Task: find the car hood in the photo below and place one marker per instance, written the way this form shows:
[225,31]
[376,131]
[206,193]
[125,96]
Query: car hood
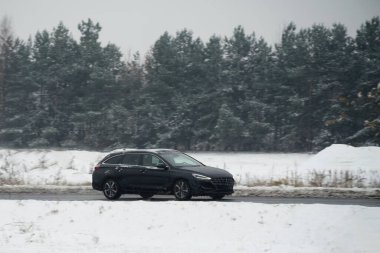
[207,171]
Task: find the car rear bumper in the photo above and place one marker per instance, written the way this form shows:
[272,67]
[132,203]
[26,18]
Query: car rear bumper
[96,186]
[97,181]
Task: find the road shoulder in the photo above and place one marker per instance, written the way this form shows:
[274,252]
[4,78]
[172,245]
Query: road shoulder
[240,191]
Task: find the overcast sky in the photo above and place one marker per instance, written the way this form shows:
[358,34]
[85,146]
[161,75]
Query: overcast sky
[136,25]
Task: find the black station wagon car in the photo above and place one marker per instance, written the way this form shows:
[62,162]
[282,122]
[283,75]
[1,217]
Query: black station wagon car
[164,171]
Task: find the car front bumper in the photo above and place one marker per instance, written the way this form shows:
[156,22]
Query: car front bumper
[212,187]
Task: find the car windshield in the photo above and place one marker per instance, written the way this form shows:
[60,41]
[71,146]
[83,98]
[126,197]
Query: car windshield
[179,159]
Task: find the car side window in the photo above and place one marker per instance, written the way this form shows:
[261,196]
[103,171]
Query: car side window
[131,159]
[151,160]
[114,160]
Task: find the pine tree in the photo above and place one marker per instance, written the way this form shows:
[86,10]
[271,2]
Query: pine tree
[228,129]
[335,123]
[19,90]
[367,102]
[6,41]
[209,100]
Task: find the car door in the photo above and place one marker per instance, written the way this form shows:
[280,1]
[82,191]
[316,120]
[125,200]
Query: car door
[131,170]
[154,178]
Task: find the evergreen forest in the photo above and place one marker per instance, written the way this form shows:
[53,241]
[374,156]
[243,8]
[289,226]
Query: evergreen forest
[317,86]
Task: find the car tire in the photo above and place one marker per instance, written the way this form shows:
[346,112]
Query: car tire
[217,196]
[111,189]
[146,195]
[182,190]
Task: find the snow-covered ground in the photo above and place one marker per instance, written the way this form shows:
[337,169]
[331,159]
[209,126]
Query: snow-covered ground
[196,226]
[254,168]
[335,166]
[47,167]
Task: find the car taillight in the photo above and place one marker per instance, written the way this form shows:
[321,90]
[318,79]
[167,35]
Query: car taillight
[97,167]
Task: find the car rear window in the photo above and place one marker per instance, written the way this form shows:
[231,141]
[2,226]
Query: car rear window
[114,160]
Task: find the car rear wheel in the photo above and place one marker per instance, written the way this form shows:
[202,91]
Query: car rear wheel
[111,189]
[181,190]
[146,195]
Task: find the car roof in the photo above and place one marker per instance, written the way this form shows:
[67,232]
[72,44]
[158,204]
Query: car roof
[131,150]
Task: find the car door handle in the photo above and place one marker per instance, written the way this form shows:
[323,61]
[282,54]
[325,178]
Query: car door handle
[142,170]
[119,168]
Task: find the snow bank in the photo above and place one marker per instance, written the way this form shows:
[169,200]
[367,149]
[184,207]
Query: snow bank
[340,157]
[47,167]
[344,166]
[196,226]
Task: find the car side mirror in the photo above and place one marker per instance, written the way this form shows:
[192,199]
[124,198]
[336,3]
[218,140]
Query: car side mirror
[162,166]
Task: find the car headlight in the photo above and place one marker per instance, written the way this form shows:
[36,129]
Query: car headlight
[201,177]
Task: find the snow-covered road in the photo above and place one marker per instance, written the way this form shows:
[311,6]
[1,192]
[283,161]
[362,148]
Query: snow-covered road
[195,226]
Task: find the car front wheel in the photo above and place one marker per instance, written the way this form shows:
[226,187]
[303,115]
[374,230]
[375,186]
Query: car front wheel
[111,190]
[181,190]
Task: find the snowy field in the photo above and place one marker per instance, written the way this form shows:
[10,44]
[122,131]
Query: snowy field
[47,167]
[195,226]
[336,166]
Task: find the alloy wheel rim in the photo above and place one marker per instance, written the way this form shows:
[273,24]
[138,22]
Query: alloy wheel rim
[110,189]
[181,189]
